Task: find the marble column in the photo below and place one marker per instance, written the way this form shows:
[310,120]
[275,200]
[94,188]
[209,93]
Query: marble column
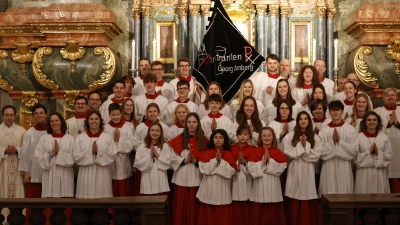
[329,39]
[261,9]
[194,32]
[205,13]
[284,37]
[321,35]
[136,36]
[146,48]
[274,29]
[182,32]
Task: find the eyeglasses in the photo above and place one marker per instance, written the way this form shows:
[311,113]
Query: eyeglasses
[80,103]
[94,99]
[157,69]
[183,89]
[184,66]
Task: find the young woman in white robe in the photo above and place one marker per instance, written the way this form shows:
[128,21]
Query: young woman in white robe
[283,123]
[94,151]
[374,155]
[360,108]
[180,113]
[350,90]
[204,109]
[318,92]
[246,89]
[307,78]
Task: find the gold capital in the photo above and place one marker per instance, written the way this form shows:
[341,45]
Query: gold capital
[205,10]
[261,9]
[285,10]
[146,12]
[182,11]
[274,10]
[194,10]
[393,52]
[321,11]
[136,13]
[331,13]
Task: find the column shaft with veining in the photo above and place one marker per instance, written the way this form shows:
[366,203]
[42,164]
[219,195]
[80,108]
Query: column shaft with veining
[261,9]
[146,48]
[274,29]
[183,31]
[321,35]
[284,46]
[136,36]
[329,36]
[194,32]
[205,13]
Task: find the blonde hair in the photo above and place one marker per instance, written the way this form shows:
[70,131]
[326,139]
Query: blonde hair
[353,116]
[240,95]
[174,118]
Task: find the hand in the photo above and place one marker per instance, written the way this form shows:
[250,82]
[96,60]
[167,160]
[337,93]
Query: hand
[241,159]
[11,150]
[213,124]
[94,147]
[251,128]
[188,158]
[316,130]
[193,159]
[285,129]
[27,177]
[373,149]
[305,100]
[117,135]
[336,137]
[159,92]
[266,157]
[393,118]
[303,140]
[269,90]
[56,148]
[218,156]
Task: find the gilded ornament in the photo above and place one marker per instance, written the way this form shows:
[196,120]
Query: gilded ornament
[165,12]
[194,10]
[357,29]
[29,98]
[393,52]
[274,10]
[3,54]
[361,67]
[331,12]
[261,9]
[205,10]
[238,13]
[22,55]
[146,11]
[301,1]
[136,13]
[108,66]
[26,118]
[302,11]
[321,11]
[69,96]
[182,11]
[4,85]
[72,52]
[285,10]
[37,64]
[68,113]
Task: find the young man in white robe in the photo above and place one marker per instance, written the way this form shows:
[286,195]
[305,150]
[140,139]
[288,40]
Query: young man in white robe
[328,84]
[11,180]
[118,89]
[340,148]
[162,88]
[144,69]
[75,124]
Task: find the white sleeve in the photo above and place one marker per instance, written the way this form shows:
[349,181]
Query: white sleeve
[225,170]
[42,156]
[24,164]
[106,153]
[164,160]
[208,168]
[143,161]
[82,157]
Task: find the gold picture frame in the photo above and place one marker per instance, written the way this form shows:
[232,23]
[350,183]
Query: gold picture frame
[302,49]
[165,37]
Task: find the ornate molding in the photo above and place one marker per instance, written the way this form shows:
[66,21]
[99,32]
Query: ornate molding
[357,29]
[205,10]
[68,113]
[3,54]
[72,52]
[285,11]
[146,12]
[274,10]
[361,67]
[29,98]
[69,96]
[165,12]
[194,10]
[331,12]
[301,1]
[393,52]
[108,66]
[37,64]
[238,14]
[182,11]
[4,85]
[136,13]
[302,11]
[22,55]
[26,118]
[321,11]
[261,9]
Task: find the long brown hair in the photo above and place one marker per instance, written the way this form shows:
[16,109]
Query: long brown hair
[132,116]
[201,140]
[300,77]
[289,96]
[208,96]
[309,130]
[354,114]
[274,140]
[161,140]
[241,118]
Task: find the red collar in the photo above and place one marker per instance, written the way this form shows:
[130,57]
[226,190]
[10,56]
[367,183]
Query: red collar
[370,135]
[248,117]
[179,125]
[189,78]
[394,107]
[96,135]
[141,76]
[347,102]
[216,116]
[284,121]
[117,125]
[179,101]
[152,96]
[155,144]
[273,76]
[359,117]
[307,86]
[148,122]
[331,124]
[322,79]
[127,95]
[303,132]
[319,121]
[40,127]
[160,83]
[114,100]
[83,115]
[60,135]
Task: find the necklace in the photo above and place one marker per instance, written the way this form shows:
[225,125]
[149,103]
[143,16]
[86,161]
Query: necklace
[79,127]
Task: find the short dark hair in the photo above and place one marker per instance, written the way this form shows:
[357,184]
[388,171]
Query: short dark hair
[215,98]
[242,128]
[62,120]
[336,104]
[315,103]
[8,107]
[119,82]
[144,59]
[150,78]
[272,56]
[156,63]
[184,59]
[128,78]
[39,106]
[114,106]
[80,97]
[94,92]
[226,145]
[182,82]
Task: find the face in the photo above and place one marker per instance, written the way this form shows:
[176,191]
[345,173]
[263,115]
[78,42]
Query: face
[318,93]
[267,137]
[181,114]
[284,66]
[158,70]
[94,102]
[243,137]
[184,68]
[118,90]
[128,86]
[218,140]
[152,114]
[128,108]
[150,86]
[390,98]
[94,121]
[144,67]
[9,117]
[353,77]
[284,110]
[213,89]
[341,82]
[283,89]
[192,124]
[115,116]
[320,66]
[361,104]
[318,113]
[214,106]
[308,75]
[40,116]
[272,65]
[371,122]
[349,90]
[247,89]
[249,107]
[55,123]
[183,91]
[80,106]
[303,121]
[336,114]
[155,132]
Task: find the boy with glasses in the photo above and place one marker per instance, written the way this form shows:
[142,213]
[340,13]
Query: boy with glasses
[162,88]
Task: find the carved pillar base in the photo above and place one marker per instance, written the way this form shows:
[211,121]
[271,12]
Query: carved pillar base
[79,217]
[100,217]
[37,217]
[58,217]
[16,217]
[121,217]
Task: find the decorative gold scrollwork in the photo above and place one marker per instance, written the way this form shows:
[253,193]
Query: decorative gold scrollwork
[72,52]
[4,85]
[393,52]
[22,55]
[3,54]
[29,98]
[38,64]
[108,66]
[26,118]
[68,113]
[69,96]
[361,67]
